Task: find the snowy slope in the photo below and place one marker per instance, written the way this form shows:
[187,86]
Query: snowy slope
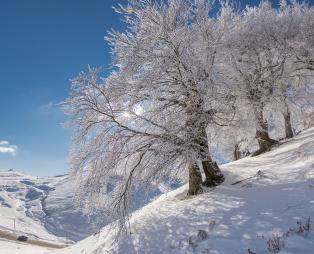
[21,198]
[277,193]
[45,208]
[64,217]
[11,247]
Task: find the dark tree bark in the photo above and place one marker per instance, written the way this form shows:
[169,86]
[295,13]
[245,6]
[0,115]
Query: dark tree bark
[264,141]
[288,126]
[237,152]
[195,180]
[213,174]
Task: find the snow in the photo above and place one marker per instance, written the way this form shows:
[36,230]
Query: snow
[65,217]
[262,196]
[20,198]
[277,193]
[43,208]
[10,247]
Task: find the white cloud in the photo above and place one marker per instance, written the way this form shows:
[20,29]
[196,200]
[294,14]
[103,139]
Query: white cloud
[46,107]
[5,147]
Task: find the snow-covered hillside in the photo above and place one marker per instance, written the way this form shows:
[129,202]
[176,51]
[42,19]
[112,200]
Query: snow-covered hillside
[22,198]
[261,197]
[44,207]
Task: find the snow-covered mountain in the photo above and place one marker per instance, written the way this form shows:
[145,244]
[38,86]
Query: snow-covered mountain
[45,208]
[42,207]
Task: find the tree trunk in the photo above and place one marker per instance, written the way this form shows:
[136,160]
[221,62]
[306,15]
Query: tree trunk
[288,126]
[213,174]
[198,136]
[264,141]
[195,180]
[237,152]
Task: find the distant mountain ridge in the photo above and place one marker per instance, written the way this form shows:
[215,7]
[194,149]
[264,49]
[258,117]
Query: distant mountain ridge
[45,207]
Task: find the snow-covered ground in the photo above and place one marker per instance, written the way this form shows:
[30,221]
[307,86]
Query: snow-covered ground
[22,200]
[44,208]
[10,247]
[239,215]
[261,197]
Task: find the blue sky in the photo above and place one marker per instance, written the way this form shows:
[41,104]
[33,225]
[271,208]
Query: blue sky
[43,44]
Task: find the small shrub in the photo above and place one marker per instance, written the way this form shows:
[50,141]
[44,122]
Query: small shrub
[303,229]
[199,237]
[275,243]
[250,252]
[191,242]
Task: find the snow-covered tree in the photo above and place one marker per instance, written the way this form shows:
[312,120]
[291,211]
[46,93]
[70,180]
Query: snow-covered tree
[294,33]
[181,76]
[148,120]
[262,64]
